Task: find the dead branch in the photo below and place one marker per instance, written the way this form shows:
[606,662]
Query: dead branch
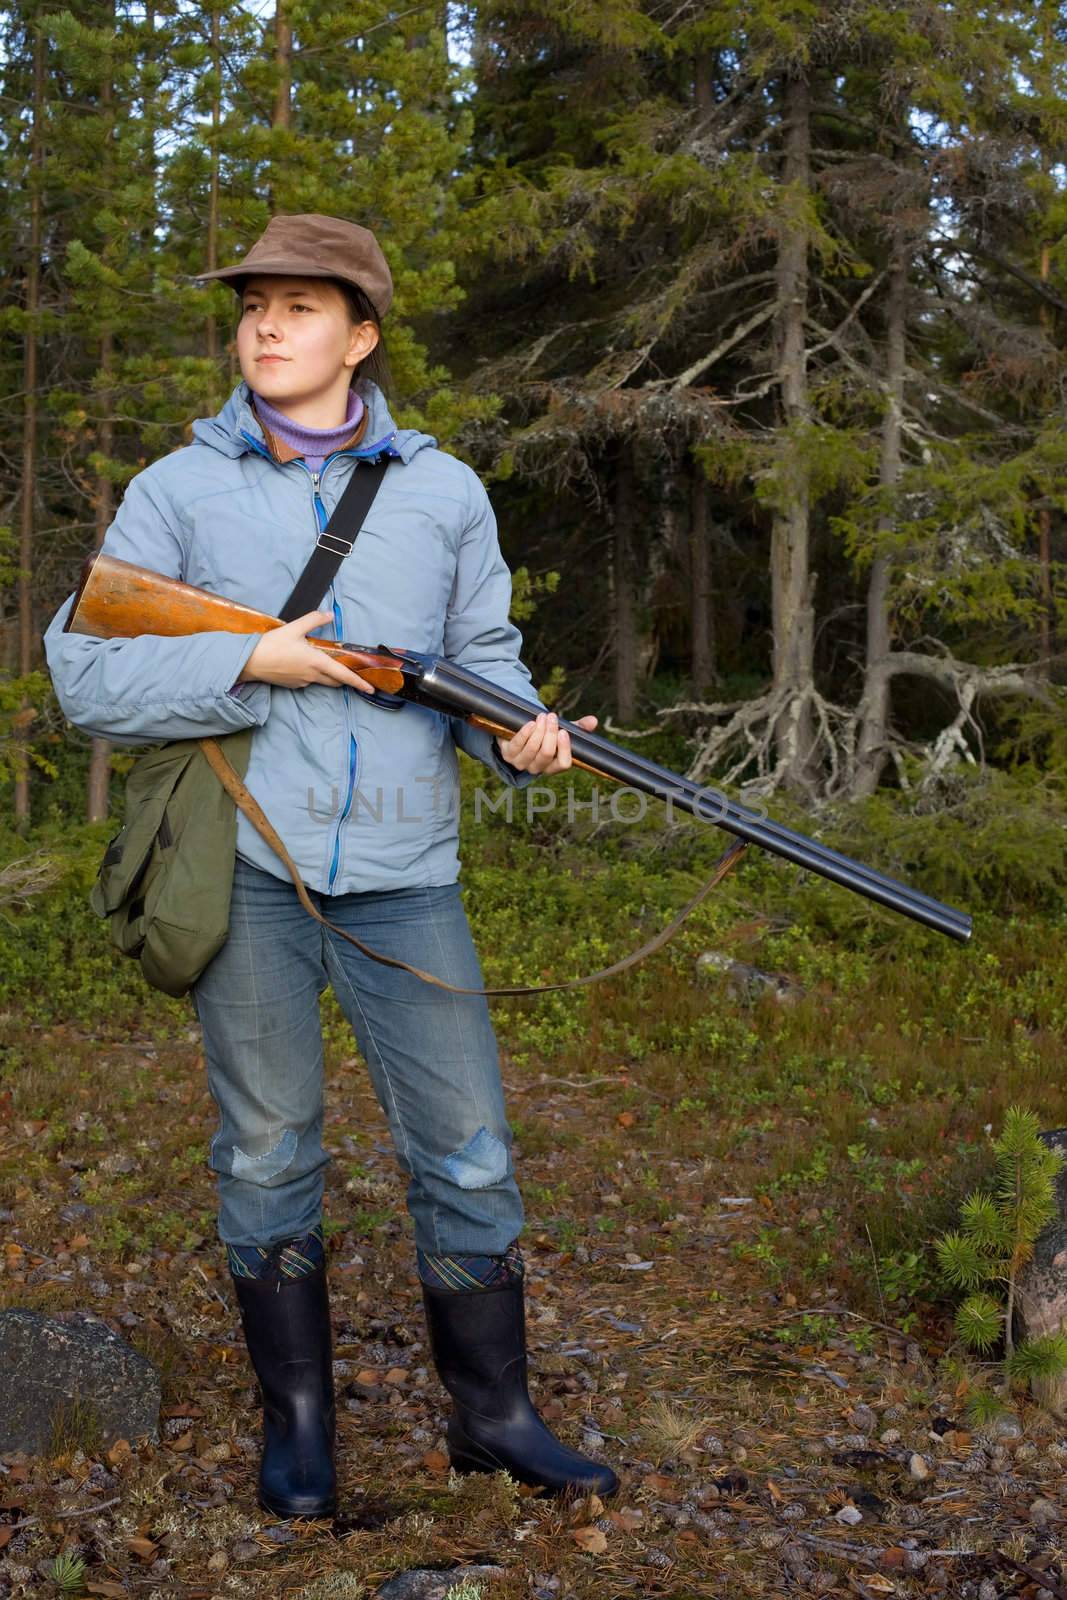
[27,876]
[741,331]
[741,743]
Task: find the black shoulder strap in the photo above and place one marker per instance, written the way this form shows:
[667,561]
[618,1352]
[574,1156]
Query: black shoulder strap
[336,539]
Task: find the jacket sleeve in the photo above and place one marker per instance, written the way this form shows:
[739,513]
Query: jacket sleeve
[478,634]
[141,691]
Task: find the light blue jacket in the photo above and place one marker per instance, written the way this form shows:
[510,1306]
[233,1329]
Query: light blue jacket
[364,799]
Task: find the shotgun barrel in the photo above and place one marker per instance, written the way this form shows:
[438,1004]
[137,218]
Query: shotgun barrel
[483,701]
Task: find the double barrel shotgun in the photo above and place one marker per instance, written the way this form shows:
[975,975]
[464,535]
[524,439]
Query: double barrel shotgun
[120,600]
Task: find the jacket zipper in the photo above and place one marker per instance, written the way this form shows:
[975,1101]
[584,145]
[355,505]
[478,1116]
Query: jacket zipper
[338,629]
[338,624]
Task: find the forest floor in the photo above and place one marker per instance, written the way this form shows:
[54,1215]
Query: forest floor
[768,1445]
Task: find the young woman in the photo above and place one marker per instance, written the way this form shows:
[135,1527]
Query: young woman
[366,802]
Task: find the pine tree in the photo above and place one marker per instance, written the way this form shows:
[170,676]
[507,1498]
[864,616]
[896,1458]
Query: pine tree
[985,1256]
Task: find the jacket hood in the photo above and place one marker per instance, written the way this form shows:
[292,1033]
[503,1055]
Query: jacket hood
[225,431]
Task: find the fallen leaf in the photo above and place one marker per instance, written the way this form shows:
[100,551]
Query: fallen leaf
[146,1549]
[626,1119]
[119,1451]
[665,1488]
[879,1585]
[6,1533]
[627,1521]
[591,1539]
[183,1442]
[396,1375]
[436,1460]
[369,1375]
[103,1586]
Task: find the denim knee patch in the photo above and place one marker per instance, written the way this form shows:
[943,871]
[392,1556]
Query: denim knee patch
[481,1162]
[268,1164]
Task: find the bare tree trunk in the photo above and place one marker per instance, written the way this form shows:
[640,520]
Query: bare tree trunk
[283,60]
[98,786]
[1044,520]
[701,628]
[623,586]
[1050,12]
[98,782]
[213,190]
[791,580]
[872,750]
[29,428]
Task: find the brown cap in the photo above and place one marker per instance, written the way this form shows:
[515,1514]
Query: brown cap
[313,246]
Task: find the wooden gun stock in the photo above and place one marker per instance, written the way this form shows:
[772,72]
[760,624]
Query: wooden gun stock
[119,600]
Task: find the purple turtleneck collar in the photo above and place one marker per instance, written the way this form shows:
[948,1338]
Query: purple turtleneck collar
[314,444]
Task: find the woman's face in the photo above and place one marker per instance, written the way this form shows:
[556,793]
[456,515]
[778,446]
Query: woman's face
[295,341]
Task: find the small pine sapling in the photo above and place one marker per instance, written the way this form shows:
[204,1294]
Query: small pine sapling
[985,1256]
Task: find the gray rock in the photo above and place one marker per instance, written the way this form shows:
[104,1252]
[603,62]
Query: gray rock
[420,1583]
[1043,1511]
[863,1419]
[1007,1426]
[50,1362]
[119,1163]
[749,982]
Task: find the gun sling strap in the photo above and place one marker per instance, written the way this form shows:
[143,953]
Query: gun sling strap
[334,543]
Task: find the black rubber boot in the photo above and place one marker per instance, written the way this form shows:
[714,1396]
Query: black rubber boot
[478,1339]
[286,1325]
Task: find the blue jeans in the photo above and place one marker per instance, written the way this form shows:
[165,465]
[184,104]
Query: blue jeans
[432,1057]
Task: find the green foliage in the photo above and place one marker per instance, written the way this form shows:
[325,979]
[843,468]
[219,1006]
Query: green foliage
[996,1239]
[68,1573]
[527,592]
[1041,1358]
[999,840]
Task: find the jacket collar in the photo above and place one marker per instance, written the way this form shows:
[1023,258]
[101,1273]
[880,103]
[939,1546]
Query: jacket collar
[285,452]
[230,431]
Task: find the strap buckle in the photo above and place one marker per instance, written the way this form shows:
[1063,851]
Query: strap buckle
[335,543]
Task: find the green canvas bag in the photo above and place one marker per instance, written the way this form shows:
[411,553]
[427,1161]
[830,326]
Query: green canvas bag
[166,877]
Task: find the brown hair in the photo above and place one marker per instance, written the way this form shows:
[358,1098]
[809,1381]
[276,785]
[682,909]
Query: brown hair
[360,309]
[376,365]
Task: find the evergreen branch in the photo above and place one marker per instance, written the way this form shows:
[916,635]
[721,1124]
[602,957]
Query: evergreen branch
[698,368]
[1012,268]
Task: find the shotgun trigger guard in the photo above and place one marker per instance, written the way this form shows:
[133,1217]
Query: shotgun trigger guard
[380,698]
[387,702]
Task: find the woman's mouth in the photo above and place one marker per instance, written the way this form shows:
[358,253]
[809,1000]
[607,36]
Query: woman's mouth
[271,358]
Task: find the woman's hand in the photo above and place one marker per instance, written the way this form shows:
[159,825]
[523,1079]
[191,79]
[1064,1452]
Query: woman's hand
[285,657]
[541,745]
